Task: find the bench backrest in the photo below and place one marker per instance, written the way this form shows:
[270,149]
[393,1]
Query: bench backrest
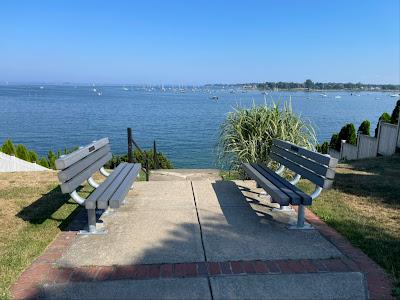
[316,167]
[81,164]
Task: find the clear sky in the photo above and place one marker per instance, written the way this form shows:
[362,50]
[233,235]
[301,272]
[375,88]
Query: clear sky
[196,42]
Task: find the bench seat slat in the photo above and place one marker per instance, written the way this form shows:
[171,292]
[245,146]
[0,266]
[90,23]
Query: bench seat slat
[119,195]
[103,200]
[79,166]
[315,178]
[319,169]
[267,185]
[294,197]
[90,202]
[71,185]
[305,199]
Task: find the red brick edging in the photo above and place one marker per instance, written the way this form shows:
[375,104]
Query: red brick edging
[44,270]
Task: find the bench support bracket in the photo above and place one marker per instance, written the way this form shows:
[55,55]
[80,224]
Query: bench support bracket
[92,182]
[78,199]
[92,230]
[104,172]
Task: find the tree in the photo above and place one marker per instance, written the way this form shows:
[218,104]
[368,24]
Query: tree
[33,157]
[348,133]
[44,162]
[8,147]
[365,127]
[385,117]
[323,148]
[394,119]
[335,142]
[308,84]
[21,152]
[52,158]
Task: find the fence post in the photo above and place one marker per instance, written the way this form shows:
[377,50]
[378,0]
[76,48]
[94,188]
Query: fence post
[130,158]
[155,157]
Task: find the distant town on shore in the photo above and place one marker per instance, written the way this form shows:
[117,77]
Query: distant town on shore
[309,85]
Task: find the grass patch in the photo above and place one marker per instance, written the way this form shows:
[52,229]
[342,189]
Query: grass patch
[364,206]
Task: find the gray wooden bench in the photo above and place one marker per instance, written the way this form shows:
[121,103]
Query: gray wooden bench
[80,165]
[317,168]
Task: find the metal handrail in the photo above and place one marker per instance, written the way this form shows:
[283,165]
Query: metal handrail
[131,141]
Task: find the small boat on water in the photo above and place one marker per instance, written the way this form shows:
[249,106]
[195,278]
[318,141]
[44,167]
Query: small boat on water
[395,95]
[338,97]
[323,95]
[99,93]
[214,97]
[94,90]
[42,87]
[125,89]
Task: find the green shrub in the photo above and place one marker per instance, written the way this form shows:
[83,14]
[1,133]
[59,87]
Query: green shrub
[8,147]
[394,118]
[51,158]
[323,148]
[33,157]
[385,117]
[365,127]
[44,162]
[348,133]
[246,134]
[335,142]
[22,153]
[163,161]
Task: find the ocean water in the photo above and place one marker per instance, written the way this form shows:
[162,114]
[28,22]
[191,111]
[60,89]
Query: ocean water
[185,124]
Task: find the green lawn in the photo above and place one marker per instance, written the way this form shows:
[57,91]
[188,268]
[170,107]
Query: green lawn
[32,213]
[364,206]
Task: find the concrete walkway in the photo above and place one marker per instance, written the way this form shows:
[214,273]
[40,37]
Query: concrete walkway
[200,239]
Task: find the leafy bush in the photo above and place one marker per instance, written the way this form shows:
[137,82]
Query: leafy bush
[365,127]
[323,148]
[246,134]
[22,153]
[163,161]
[8,147]
[385,117]
[394,118]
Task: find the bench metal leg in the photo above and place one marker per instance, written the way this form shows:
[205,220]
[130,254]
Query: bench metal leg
[300,220]
[92,224]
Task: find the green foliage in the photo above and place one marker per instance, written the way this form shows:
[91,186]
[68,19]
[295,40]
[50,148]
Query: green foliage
[22,153]
[44,162]
[308,84]
[163,161]
[323,148]
[33,157]
[385,117]
[348,133]
[8,147]
[335,142]
[52,158]
[365,127]
[246,134]
[394,118]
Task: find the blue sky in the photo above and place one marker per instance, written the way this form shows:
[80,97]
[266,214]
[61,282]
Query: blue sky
[196,42]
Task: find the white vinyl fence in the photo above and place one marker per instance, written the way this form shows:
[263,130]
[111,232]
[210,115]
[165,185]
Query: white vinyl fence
[387,138]
[367,146]
[387,143]
[10,163]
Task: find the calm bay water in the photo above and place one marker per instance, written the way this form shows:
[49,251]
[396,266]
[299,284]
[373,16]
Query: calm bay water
[184,124]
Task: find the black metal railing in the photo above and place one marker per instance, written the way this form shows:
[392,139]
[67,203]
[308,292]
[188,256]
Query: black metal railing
[146,168]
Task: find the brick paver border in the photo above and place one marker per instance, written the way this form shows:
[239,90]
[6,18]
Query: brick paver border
[44,269]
